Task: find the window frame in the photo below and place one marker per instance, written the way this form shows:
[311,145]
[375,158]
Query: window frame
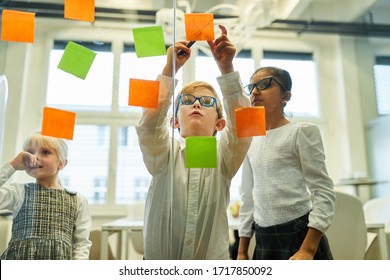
[298,56]
[116,118]
[381,60]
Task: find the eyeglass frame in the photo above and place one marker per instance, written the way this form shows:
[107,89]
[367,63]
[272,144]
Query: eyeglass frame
[179,101]
[269,84]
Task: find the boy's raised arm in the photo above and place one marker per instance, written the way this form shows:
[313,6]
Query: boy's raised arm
[179,59]
[223,52]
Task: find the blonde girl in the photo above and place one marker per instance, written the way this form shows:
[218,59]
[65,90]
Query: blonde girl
[49,221]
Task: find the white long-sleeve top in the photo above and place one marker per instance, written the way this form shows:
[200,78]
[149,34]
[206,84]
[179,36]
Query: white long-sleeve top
[12,198]
[191,222]
[284,177]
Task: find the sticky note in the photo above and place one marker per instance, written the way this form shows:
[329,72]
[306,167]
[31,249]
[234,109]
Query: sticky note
[250,121]
[77,60]
[144,93]
[58,123]
[17,26]
[83,10]
[201,152]
[199,27]
[149,41]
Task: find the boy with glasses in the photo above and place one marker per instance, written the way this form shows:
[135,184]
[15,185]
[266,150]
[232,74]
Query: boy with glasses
[185,210]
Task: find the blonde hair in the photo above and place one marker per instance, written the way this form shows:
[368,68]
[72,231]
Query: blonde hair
[59,145]
[192,86]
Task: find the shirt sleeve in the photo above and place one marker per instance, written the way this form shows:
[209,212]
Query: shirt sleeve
[312,156]
[6,172]
[231,148]
[247,203]
[11,195]
[152,129]
[81,242]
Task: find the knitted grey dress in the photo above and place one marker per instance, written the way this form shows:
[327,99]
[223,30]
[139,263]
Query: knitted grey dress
[43,228]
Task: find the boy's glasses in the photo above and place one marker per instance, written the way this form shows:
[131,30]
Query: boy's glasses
[261,85]
[189,99]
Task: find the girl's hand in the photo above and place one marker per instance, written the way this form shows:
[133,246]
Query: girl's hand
[180,60]
[24,161]
[223,52]
[302,255]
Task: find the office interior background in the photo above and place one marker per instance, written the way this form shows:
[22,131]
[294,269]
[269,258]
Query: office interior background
[338,53]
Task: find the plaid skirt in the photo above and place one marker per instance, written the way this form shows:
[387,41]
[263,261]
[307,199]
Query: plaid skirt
[281,241]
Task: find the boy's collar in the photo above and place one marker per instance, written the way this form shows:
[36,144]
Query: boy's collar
[182,142]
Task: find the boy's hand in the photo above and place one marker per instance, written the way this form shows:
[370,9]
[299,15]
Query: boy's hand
[179,60]
[24,161]
[223,51]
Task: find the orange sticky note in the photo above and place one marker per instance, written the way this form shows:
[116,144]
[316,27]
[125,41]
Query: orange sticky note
[80,10]
[18,26]
[250,121]
[199,27]
[58,123]
[144,93]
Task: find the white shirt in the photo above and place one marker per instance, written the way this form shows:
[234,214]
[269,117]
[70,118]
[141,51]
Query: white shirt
[190,220]
[12,198]
[284,177]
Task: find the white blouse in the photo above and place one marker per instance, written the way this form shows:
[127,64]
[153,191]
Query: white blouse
[284,177]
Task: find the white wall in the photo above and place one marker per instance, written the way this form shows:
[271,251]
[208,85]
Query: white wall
[3,108]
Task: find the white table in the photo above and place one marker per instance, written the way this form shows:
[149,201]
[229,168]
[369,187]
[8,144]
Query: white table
[125,226]
[357,182]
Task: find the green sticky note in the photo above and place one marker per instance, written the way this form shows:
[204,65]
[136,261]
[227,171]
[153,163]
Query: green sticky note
[149,41]
[201,152]
[76,60]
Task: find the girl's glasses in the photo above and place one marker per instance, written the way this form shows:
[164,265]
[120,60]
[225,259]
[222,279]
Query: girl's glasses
[189,99]
[261,85]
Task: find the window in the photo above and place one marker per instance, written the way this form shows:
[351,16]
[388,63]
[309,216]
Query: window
[88,158]
[382,84]
[243,63]
[94,93]
[147,68]
[304,93]
[106,173]
[132,177]
[105,162]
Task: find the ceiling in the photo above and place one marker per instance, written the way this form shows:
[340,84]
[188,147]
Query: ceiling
[354,17]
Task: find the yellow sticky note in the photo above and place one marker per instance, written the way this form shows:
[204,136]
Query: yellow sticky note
[80,10]
[250,121]
[17,26]
[144,93]
[58,123]
[199,27]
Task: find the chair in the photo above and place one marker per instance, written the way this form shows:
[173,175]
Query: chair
[95,236]
[349,238]
[377,210]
